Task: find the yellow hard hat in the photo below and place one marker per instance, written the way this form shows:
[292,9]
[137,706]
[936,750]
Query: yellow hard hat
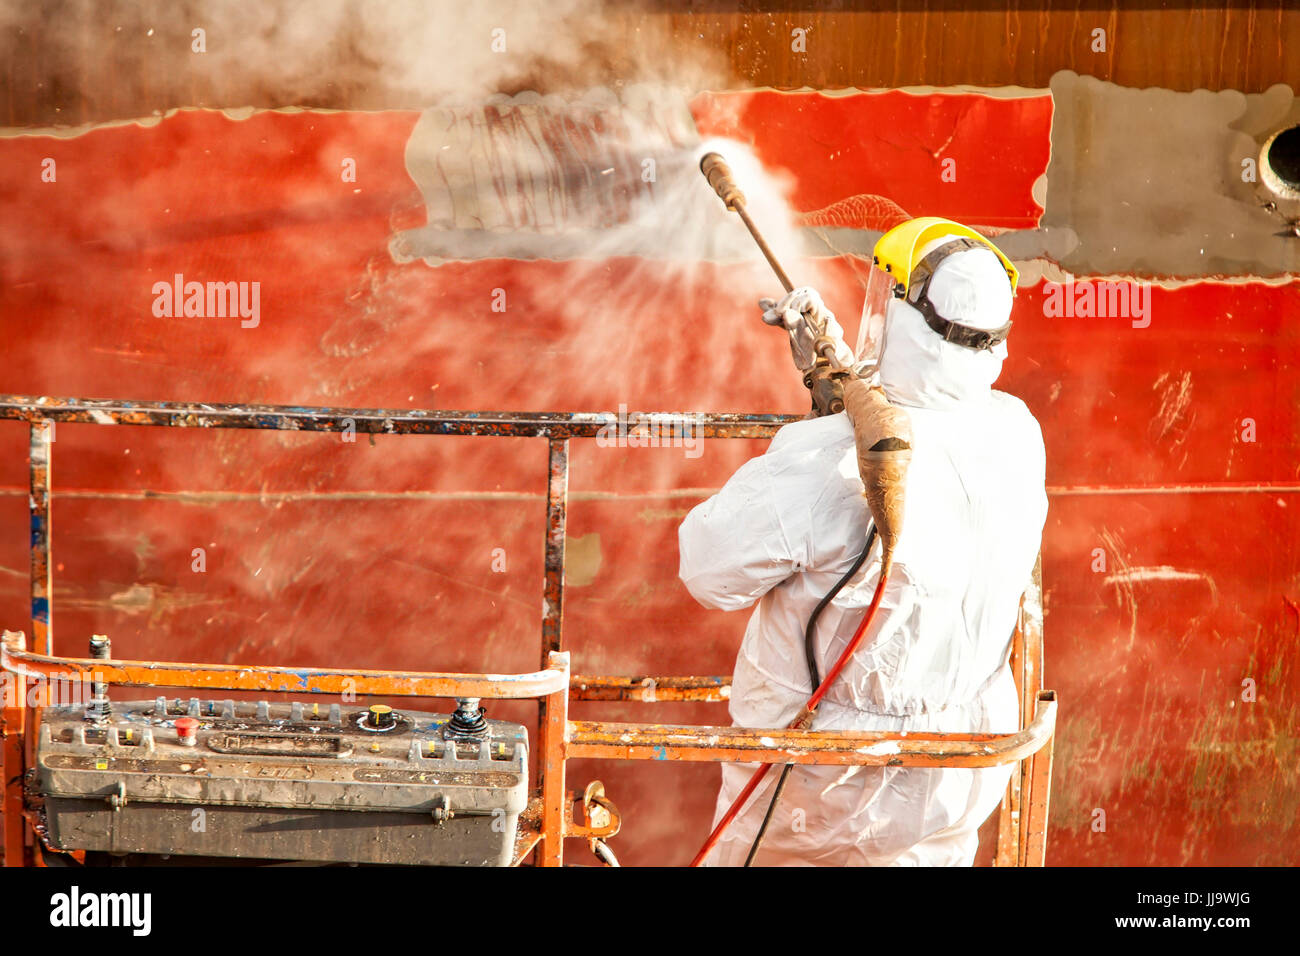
[902,272]
[898,251]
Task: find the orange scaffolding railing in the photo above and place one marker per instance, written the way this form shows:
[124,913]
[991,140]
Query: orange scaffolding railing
[552,814]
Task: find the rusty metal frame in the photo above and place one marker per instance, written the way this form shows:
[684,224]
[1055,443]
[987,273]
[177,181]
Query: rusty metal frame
[550,816]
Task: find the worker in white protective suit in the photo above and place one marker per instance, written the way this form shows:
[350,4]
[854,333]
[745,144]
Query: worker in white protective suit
[789,524]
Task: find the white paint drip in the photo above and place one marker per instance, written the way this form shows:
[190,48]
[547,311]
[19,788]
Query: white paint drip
[885,748]
[842,779]
[1161,573]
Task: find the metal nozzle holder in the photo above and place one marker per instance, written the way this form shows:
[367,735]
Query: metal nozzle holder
[466,722]
[101,649]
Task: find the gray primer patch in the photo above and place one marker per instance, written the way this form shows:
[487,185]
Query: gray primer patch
[1150,182]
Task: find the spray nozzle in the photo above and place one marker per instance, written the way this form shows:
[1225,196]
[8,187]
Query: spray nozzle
[718,173]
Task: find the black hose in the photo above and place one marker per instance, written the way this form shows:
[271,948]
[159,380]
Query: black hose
[767,818]
[814,675]
[810,632]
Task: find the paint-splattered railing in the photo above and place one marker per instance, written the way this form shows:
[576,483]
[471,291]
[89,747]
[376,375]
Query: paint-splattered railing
[42,414]
[549,817]
[16,659]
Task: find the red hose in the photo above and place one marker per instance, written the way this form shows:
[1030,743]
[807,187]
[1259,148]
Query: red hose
[805,714]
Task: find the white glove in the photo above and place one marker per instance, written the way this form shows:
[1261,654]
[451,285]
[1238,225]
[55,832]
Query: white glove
[804,300]
[803,314]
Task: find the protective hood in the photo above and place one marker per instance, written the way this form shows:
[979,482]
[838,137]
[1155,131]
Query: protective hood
[920,369]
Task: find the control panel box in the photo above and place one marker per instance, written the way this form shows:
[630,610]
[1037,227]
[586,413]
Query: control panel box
[331,783]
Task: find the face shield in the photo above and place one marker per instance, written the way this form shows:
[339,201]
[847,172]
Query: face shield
[871,330]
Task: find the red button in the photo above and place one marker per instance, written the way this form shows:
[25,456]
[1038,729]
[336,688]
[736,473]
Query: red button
[187,727]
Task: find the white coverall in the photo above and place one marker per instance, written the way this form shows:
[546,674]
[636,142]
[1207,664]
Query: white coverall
[790,523]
